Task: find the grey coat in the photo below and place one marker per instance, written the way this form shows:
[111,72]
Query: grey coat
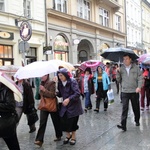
[130,82]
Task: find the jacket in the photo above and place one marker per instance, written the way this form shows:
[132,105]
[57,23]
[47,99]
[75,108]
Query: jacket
[105,81]
[71,91]
[90,84]
[28,97]
[130,82]
[7,102]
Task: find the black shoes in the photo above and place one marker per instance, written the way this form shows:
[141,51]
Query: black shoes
[137,124]
[66,141]
[121,127]
[97,110]
[105,109]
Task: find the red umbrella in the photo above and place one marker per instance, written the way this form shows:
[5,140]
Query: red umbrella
[93,64]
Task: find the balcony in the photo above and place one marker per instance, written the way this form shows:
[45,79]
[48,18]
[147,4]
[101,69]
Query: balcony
[112,3]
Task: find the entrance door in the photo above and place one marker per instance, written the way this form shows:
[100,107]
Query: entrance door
[83,56]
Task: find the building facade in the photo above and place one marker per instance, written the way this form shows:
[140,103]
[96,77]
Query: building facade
[146,25]
[79,30]
[134,26]
[12,14]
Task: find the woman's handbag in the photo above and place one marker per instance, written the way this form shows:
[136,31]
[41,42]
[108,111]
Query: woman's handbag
[48,104]
[32,116]
[8,125]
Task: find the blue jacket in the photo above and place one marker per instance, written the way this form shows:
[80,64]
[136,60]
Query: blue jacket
[71,91]
[105,80]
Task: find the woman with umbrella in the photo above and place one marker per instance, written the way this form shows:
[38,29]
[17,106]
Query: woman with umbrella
[87,87]
[102,84]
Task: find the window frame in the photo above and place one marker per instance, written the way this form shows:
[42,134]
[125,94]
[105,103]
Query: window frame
[84,9]
[104,17]
[2,3]
[118,22]
[26,10]
[62,3]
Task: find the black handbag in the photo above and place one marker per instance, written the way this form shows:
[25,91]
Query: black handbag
[32,116]
[8,125]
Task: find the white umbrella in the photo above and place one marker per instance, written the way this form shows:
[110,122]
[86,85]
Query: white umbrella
[64,64]
[9,69]
[12,85]
[36,69]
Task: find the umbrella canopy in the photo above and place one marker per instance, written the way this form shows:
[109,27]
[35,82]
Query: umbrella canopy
[36,69]
[93,64]
[41,68]
[9,69]
[12,85]
[146,61]
[61,63]
[116,54]
[143,57]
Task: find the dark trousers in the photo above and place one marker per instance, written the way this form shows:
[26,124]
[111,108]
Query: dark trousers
[12,142]
[43,122]
[101,94]
[98,100]
[134,97]
[145,90]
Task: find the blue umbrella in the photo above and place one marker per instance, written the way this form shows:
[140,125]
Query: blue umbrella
[116,54]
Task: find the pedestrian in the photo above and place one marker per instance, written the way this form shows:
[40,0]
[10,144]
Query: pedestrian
[108,70]
[48,89]
[130,77]
[145,90]
[71,106]
[7,113]
[27,105]
[114,72]
[102,84]
[87,87]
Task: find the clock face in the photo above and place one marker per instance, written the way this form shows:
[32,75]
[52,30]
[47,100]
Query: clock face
[5,35]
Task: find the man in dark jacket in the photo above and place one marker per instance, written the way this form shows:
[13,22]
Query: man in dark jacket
[7,109]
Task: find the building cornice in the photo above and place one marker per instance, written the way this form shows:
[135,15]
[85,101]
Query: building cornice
[146,2]
[77,20]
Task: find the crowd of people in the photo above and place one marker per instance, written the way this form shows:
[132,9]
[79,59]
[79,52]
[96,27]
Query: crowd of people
[132,83]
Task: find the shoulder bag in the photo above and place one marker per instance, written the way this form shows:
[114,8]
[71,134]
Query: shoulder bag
[48,104]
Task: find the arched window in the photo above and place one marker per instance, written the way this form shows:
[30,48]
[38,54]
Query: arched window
[61,48]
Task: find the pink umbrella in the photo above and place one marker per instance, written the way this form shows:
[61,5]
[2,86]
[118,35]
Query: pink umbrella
[143,57]
[146,61]
[12,85]
[93,64]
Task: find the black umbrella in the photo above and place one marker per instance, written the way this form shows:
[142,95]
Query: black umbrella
[116,54]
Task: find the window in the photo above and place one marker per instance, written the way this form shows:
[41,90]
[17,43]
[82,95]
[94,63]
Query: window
[118,23]
[27,8]
[1,5]
[60,5]
[83,9]
[104,17]
[6,51]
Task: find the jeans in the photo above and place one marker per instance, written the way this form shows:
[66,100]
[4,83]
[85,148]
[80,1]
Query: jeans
[88,100]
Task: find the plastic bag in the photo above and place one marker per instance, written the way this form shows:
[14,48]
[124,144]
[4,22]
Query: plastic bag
[110,95]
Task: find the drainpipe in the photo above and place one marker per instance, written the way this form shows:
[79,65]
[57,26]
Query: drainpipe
[46,28]
[125,22]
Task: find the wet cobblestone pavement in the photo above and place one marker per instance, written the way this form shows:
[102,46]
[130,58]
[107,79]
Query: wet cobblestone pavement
[97,131]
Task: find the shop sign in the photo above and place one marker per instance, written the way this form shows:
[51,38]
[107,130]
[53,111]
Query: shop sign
[6,35]
[25,31]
